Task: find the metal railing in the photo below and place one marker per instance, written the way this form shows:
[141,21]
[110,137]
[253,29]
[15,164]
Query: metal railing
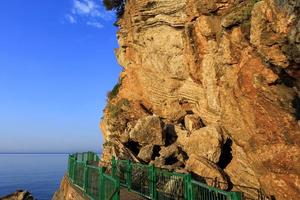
[201,191]
[248,192]
[146,180]
[86,156]
[159,184]
[140,176]
[90,179]
[170,185]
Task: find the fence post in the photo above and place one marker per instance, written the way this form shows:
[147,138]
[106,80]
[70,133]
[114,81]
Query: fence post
[96,158]
[84,156]
[101,184]
[69,166]
[114,167]
[85,177]
[188,193]
[236,196]
[74,170]
[117,195]
[90,156]
[152,181]
[129,175]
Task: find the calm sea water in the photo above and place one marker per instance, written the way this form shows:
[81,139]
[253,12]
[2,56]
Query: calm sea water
[38,173]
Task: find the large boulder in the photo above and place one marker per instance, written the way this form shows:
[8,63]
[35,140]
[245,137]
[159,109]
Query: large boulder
[206,142]
[170,157]
[148,130]
[18,195]
[168,151]
[193,122]
[146,153]
[205,168]
[240,172]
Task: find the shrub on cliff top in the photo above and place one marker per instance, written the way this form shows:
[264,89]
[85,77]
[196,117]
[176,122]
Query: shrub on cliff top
[114,92]
[116,5]
[117,108]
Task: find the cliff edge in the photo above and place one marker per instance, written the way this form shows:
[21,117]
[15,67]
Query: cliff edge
[211,87]
[67,191]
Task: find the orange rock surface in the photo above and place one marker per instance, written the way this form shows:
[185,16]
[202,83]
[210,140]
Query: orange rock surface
[223,79]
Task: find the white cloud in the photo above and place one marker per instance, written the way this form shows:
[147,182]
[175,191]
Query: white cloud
[85,7]
[107,15]
[90,12]
[71,19]
[94,24]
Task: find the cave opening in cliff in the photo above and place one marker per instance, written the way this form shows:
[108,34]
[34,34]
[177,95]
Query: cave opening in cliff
[296,105]
[181,121]
[156,150]
[284,77]
[171,135]
[183,153]
[172,159]
[133,146]
[201,123]
[226,154]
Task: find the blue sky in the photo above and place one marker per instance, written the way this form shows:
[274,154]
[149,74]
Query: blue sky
[57,64]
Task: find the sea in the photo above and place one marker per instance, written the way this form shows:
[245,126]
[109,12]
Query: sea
[40,174]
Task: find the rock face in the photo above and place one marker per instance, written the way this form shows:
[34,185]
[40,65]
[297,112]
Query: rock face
[212,87]
[147,130]
[68,192]
[18,195]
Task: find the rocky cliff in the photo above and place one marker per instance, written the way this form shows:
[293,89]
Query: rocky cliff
[211,87]
[67,191]
[18,195]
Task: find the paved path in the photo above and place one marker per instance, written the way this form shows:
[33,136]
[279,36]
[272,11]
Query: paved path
[125,195]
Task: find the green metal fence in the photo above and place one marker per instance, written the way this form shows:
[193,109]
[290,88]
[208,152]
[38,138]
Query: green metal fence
[79,174]
[140,176]
[159,184]
[170,185]
[110,185]
[201,191]
[93,176]
[146,180]
[90,179]
[86,156]
[121,169]
[71,166]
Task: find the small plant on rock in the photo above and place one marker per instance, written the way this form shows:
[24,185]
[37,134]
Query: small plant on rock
[114,92]
[117,108]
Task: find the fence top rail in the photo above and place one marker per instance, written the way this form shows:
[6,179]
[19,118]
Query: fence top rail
[159,170]
[140,164]
[85,156]
[122,161]
[93,167]
[210,188]
[170,173]
[80,162]
[72,157]
[109,178]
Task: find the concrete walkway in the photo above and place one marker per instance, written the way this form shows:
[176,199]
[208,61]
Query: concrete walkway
[125,195]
